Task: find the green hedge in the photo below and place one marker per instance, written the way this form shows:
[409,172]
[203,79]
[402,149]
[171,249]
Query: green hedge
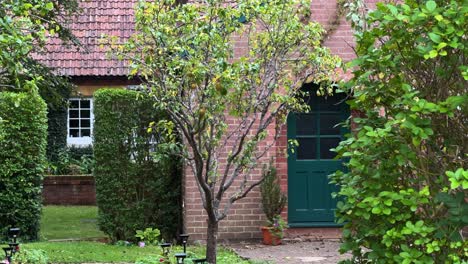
[23,143]
[133,189]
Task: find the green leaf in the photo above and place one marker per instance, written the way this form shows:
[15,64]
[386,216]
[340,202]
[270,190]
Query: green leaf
[441,45]
[431,6]
[433,54]
[434,37]
[49,6]
[439,17]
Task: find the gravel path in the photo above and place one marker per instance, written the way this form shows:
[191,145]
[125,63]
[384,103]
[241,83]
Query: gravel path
[325,252]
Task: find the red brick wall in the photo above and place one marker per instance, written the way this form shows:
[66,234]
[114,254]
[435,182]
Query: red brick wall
[246,217]
[69,190]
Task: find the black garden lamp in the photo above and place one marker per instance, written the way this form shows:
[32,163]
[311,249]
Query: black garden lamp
[14,246]
[184,238]
[13,233]
[166,247]
[8,253]
[180,257]
[200,261]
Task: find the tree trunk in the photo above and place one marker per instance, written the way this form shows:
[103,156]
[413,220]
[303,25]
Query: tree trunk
[211,241]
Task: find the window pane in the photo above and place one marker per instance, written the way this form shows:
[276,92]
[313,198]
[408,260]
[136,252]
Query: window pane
[85,113]
[328,124]
[74,104]
[85,123]
[74,123]
[307,148]
[332,103]
[325,145]
[306,124]
[74,132]
[85,132]
[85,103]
[74,114]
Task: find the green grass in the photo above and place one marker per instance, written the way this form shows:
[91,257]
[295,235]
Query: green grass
[87,251]
[69,222]
[79,222]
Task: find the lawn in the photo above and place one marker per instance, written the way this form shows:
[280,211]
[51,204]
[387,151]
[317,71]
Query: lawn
[69,222]
[79,222]
[87,251]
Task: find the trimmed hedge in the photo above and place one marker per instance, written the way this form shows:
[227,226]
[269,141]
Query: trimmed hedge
[22,162]
[133,189]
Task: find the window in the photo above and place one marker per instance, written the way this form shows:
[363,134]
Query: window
[318,131]
[80,121]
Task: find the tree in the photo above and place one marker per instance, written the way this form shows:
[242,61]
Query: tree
[187,56]
[25,27]
[404,195]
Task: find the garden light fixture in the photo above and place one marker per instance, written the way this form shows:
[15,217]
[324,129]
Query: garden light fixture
[180,257]
[8,253]
[13,233]
[184,238]
[166,247]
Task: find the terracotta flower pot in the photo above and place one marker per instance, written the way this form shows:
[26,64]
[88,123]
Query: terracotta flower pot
[269,238]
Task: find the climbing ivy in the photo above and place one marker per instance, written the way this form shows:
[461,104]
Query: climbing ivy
[406,188]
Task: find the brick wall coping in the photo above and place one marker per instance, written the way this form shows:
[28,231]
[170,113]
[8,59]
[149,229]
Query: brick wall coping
[69,179]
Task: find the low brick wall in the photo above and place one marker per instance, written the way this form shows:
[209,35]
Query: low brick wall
[69,190]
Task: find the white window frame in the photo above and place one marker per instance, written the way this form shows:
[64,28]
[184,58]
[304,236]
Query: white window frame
[80,141]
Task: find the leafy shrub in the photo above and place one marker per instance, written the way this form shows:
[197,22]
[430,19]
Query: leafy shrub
[405,192]
[273,200]
[22,162]
[137,183]
[72,161]
[149,235]
[30,256]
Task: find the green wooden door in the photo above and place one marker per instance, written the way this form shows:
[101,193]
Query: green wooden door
[309,191]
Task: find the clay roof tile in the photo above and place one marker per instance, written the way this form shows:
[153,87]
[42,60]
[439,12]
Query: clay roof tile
[98,17]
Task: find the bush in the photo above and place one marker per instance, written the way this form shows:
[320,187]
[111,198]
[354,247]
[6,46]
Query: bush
[30,256]
[149,235]
[273,200]
[137,184]
[72,161]
[22,162]
[405,193]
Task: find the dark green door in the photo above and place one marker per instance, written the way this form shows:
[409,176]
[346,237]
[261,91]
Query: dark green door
[309,191]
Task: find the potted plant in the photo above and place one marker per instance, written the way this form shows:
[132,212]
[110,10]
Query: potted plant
[273,202]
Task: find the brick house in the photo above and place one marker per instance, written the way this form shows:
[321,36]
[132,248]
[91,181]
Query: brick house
[310,209]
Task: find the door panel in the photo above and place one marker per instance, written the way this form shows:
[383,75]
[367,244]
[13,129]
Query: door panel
[311,162]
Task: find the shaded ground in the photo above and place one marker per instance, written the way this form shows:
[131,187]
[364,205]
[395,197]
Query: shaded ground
[325,252]
[69,223]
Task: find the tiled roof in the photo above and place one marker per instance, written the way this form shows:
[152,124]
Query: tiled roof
[98,17]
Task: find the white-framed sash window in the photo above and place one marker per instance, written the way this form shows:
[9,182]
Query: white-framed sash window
[80,122]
